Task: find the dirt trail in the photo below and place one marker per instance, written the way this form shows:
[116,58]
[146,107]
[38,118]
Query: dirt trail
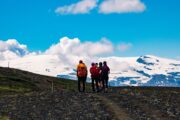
[119,113]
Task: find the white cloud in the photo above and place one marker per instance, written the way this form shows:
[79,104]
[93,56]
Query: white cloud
[75,47]
[11,49]
[82,7]
[124,46]
[121,6]
[105,7]
[70,51]
[67,49]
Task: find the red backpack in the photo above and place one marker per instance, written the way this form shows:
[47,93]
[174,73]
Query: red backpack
[94,71]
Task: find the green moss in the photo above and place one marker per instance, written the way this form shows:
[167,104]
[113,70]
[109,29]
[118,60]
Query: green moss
[4,117]
[15,89]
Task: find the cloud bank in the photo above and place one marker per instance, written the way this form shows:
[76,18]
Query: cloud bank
[12,49]
[104,7]
[67,51]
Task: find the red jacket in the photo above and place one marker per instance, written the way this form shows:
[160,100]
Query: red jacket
[95,72]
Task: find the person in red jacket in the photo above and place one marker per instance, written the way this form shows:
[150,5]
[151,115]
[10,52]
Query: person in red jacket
[94,70]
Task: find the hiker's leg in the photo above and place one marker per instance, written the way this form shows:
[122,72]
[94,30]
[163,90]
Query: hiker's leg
[93,84]
[100,82]
[97,85]
[82,84]
[79,84]
[103,82]
[84,81]
[107,82]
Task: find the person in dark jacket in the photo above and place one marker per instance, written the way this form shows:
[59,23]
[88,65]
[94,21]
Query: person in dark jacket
[105,74]
[94,76]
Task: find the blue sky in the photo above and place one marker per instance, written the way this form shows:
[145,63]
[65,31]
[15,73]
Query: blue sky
[155,31]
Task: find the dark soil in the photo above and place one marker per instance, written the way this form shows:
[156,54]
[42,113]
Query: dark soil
[57,106]
[124,102]
[147,103]
[27,96]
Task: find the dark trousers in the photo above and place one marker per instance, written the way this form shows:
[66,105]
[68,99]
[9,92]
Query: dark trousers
[105,81]
[97,86]
[81,80]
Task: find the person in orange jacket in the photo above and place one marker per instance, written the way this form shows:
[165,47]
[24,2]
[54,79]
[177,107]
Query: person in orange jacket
[81,75]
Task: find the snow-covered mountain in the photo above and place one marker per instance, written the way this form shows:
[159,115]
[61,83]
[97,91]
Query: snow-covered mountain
[144,70]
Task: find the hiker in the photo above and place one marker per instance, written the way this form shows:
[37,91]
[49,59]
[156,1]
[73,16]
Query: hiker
[96,64]
[98,74]
[94,76]
[101,81]
[82,75]
[105,75]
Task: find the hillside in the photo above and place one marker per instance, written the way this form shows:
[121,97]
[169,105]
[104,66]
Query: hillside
[17,81]
[25,95]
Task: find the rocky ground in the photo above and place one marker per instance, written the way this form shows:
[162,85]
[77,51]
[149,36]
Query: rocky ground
[56,106]
[28,96]
[118,103]
[147,103]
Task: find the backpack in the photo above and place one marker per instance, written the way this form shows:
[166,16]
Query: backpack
[82,70]
[105,70]
[94,72]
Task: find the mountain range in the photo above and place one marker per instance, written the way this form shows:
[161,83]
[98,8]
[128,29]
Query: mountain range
[147,70]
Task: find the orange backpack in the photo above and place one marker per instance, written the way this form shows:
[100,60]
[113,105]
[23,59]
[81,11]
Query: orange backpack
[82,70]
